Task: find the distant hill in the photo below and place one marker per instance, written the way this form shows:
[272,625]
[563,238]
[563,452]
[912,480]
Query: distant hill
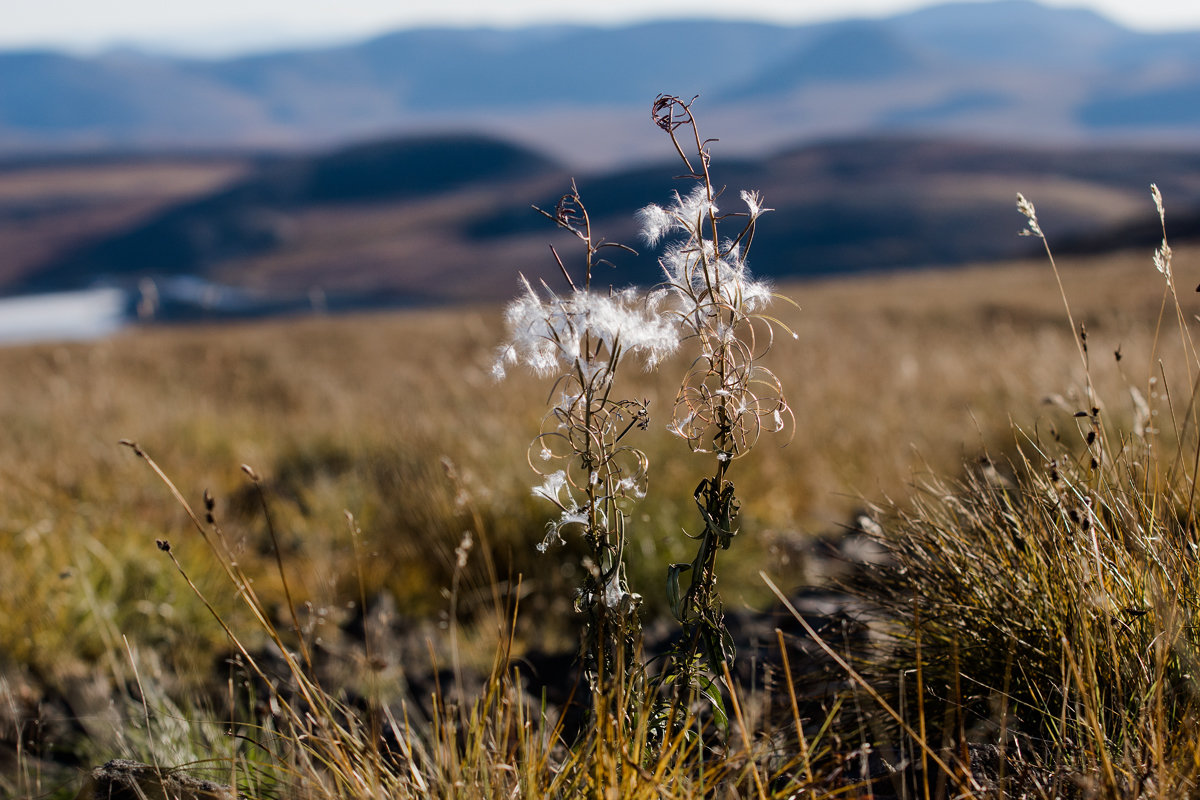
[432,219]
[256,214]
[1010,70]
[1021,34]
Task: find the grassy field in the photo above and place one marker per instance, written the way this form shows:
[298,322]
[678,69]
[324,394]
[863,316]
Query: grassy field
[898,382]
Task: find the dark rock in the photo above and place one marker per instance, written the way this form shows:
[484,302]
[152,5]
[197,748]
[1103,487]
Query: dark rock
[130,780]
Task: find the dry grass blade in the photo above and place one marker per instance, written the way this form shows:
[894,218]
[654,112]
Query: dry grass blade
[863,683]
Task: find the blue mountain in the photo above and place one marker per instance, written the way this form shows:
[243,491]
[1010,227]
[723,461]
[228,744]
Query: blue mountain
[1008,67]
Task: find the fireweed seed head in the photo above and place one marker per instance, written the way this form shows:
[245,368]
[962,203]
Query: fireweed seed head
[552,488]
[655,223]
[583,330]
[652,332]
[684,215]
[554,528]
[506,355]
[753,200]
[533,336]
[692,210]
[613,592]
[705,287]
[628,487]
[756,295]
[631,323]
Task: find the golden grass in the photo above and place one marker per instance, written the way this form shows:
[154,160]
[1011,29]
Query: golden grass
[892,377]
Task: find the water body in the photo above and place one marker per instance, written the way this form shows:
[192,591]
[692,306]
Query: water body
[98,312]
[61,316]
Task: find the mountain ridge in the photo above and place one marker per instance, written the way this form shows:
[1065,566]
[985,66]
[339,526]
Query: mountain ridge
[1007,69]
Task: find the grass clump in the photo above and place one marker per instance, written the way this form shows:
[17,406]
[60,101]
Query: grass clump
[1047,606]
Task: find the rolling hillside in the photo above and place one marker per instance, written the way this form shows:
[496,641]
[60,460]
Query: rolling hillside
[431,219]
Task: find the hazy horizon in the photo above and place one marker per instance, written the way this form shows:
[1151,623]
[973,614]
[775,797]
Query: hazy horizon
[224,28]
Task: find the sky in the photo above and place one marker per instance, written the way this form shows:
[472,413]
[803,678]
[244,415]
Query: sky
[221,27]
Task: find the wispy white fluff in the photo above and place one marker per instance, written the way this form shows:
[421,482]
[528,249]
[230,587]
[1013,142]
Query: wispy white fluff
[553,334]
[554,529]
[753,201]
[694,208]
[655,223]
[613,593]
[699,275]
[552,489]
[631,488]
[701,280]
[683,215]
